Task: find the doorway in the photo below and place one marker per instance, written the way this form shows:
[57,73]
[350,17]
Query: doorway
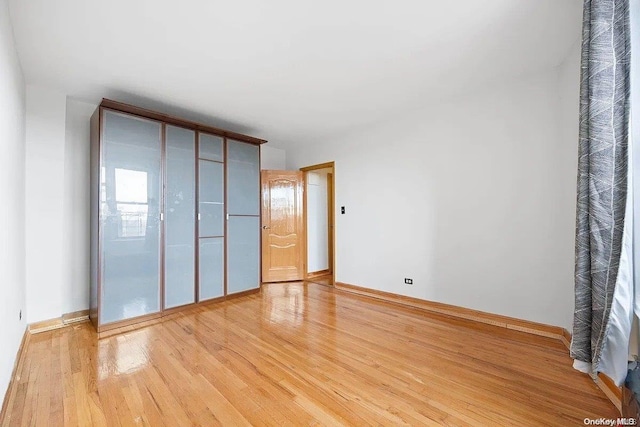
[298,217]
[319,222]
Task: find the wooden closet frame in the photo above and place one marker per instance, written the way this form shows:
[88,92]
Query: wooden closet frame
[97,122]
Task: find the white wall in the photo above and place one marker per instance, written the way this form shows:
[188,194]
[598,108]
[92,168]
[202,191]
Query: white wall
[317,222]
[12,209]
[567,164]
[75,243]
[473,199]
[45,143]
[57,199]
[272,158]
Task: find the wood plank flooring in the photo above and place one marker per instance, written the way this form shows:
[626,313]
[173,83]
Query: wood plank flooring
[301,354]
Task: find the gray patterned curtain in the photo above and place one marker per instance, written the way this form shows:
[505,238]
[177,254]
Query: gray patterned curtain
[602,171]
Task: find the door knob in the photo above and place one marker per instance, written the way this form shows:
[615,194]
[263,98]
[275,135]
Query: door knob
[264,227]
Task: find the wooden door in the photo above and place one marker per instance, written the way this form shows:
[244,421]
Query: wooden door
[282,226]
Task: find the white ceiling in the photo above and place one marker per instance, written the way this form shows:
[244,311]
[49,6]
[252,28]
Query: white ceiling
[290,71]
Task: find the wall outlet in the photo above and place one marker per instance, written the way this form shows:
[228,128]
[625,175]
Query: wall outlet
[408,281]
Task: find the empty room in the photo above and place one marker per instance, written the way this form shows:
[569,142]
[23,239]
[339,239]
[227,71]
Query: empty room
[319,213]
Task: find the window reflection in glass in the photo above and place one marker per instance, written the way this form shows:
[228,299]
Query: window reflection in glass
[131,202]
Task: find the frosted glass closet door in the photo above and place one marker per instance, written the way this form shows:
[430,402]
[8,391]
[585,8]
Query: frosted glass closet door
[243,253]
[130,197]
[243,196]
[211,268]
[243,173]
[211,223]
[211,199]
[180,217]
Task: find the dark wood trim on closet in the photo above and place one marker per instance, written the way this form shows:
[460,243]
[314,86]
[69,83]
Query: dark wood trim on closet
[196,231]
[154,115]
[225,200]
[163,209]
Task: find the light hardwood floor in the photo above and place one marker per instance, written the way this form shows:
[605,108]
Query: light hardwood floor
[301,354]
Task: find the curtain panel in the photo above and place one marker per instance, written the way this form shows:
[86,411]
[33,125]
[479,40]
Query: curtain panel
[602,173]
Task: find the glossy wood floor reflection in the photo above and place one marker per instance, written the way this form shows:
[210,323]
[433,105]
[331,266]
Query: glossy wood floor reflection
[302,355]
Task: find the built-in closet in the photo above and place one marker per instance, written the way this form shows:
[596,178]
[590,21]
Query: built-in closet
[175,215]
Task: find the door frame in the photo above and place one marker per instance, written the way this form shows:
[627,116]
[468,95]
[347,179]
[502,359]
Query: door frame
[331,200]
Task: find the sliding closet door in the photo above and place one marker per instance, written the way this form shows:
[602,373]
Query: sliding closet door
[243,196]
[180,217]
[130,200]
[211,217]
